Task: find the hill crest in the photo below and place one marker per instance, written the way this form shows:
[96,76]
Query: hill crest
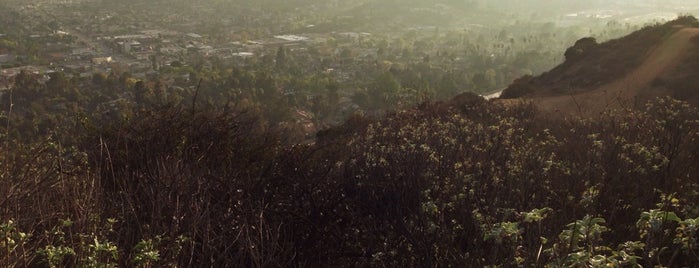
[656,61]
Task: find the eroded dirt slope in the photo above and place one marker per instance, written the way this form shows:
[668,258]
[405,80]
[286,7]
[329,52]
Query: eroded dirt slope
[623,92]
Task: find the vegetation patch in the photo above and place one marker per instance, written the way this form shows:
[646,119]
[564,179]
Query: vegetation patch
[456,183]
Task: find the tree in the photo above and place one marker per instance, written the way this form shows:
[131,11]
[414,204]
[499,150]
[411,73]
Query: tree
[142,93]
[447,86]
[580,48]
[333,97]
[27,88]
[480,81]
[320,107]
[361,98]
[99,79]
[280,62]
[384,91]
[57,84]
[176,64]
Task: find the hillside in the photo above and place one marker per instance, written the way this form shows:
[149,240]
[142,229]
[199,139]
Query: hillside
[112,171]
[655,61]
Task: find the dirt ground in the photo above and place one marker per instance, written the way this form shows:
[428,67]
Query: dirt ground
[621,93]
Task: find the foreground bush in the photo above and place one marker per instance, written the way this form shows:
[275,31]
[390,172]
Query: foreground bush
[464,183]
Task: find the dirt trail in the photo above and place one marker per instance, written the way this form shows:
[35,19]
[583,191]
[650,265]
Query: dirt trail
[621,93]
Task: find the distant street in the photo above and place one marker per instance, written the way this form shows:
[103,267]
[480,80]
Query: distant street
[99,47]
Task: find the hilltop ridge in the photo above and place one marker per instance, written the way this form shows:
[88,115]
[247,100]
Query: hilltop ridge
[656,61]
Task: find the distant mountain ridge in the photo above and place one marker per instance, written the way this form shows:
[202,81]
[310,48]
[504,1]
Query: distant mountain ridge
[656,61]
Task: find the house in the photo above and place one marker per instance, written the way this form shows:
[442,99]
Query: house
[57,56]
[132,37]
[133,46]
[101,60]
[243,54]
[194,36]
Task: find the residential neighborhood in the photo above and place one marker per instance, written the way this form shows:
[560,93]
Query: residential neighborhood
[299,47]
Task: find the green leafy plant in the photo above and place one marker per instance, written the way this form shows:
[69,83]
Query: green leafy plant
[579,244]
[146,253]
[12,243]
[56,252]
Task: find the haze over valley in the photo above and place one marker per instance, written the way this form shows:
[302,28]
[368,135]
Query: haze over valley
[387,133]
